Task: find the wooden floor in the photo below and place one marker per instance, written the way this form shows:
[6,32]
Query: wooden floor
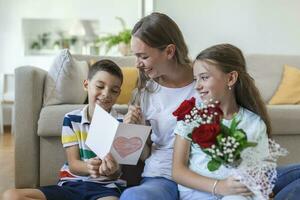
[7,164]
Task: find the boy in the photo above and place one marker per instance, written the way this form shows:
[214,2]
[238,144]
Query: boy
[85,176]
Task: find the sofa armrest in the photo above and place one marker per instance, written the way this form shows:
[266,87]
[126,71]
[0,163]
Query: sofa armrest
[29,86]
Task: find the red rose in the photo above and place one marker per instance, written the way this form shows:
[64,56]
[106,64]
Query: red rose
[205,135]
[185,108]
[212,110]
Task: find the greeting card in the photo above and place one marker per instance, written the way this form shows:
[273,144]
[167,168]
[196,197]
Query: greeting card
[124,141]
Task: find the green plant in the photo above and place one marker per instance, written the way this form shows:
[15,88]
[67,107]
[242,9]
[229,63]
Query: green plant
[41,41]
[65,41]
[111,40]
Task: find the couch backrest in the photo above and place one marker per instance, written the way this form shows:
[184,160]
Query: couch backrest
[267,71]
[122,61]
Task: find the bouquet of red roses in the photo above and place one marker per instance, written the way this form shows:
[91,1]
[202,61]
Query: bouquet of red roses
[223,144]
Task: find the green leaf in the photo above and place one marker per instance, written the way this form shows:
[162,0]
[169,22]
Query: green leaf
[213,165]
[206,151]
[249,144]
[234,123]
[189,135]
[239,135]
[219,138]
[111,40]
[225,130]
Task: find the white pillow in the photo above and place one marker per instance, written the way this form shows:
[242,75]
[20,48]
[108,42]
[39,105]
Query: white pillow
[64,81]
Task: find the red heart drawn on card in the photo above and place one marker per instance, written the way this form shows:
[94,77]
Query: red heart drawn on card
[126,146]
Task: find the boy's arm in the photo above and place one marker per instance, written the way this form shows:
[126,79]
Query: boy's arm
[110,167]
[80,167]
[76,165]
[117,174]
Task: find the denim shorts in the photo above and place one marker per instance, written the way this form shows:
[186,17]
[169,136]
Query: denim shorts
[79,190]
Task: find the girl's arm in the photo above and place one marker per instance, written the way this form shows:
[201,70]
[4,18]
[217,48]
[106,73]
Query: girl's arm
[79,167]
[181,173]
[184,176]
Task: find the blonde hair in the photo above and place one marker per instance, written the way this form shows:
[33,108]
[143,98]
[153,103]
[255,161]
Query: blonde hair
[230,58]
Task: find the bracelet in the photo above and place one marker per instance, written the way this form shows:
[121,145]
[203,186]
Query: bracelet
[213,191]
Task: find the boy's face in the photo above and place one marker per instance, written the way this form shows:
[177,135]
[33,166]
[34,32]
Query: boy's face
[103,90]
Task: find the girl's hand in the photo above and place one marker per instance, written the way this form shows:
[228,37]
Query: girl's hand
[109,166]
[231,186]
[93,165]
[134,115]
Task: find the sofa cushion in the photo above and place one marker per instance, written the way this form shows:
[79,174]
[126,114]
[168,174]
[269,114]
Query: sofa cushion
[285,119]
[119,60]
[130,75]
[288,91]
[129,83]
[64,81]
[51,117]
[267,71]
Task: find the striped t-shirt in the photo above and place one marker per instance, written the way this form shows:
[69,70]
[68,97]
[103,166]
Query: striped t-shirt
[74,132]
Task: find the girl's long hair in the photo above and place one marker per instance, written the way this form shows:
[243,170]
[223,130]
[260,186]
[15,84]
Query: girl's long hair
[229,58]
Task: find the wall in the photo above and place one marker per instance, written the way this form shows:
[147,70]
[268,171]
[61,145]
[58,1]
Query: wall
[12,12]
[256,26]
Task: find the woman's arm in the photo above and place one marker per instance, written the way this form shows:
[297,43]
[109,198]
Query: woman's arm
[147,149]
[134,115]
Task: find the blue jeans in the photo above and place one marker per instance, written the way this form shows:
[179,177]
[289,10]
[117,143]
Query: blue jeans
[152,188]
[287,186]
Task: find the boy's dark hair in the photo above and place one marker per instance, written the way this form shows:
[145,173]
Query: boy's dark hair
[107,66]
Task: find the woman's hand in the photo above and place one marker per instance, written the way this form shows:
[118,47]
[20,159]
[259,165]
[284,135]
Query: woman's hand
[109,166]
[93,165]
[232,186]
[134,115]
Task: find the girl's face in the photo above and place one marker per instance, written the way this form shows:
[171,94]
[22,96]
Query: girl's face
[212,83]
[103,90]
[151,61]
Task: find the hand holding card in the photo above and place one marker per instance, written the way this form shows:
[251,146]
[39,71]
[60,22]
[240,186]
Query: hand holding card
[124,141]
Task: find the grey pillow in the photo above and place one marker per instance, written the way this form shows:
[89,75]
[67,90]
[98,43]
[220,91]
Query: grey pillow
[64,81]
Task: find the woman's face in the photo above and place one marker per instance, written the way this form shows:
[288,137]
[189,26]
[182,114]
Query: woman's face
[151,61]
[212,83]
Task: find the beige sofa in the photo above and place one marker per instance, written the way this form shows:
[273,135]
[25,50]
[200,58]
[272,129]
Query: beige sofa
[39,153]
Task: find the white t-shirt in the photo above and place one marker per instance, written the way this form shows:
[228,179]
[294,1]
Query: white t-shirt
[255,129]
[157,107]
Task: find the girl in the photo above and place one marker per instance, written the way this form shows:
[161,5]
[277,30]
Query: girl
[221,75]
[166,79]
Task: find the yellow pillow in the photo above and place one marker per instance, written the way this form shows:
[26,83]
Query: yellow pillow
[130,75]
[288,91]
